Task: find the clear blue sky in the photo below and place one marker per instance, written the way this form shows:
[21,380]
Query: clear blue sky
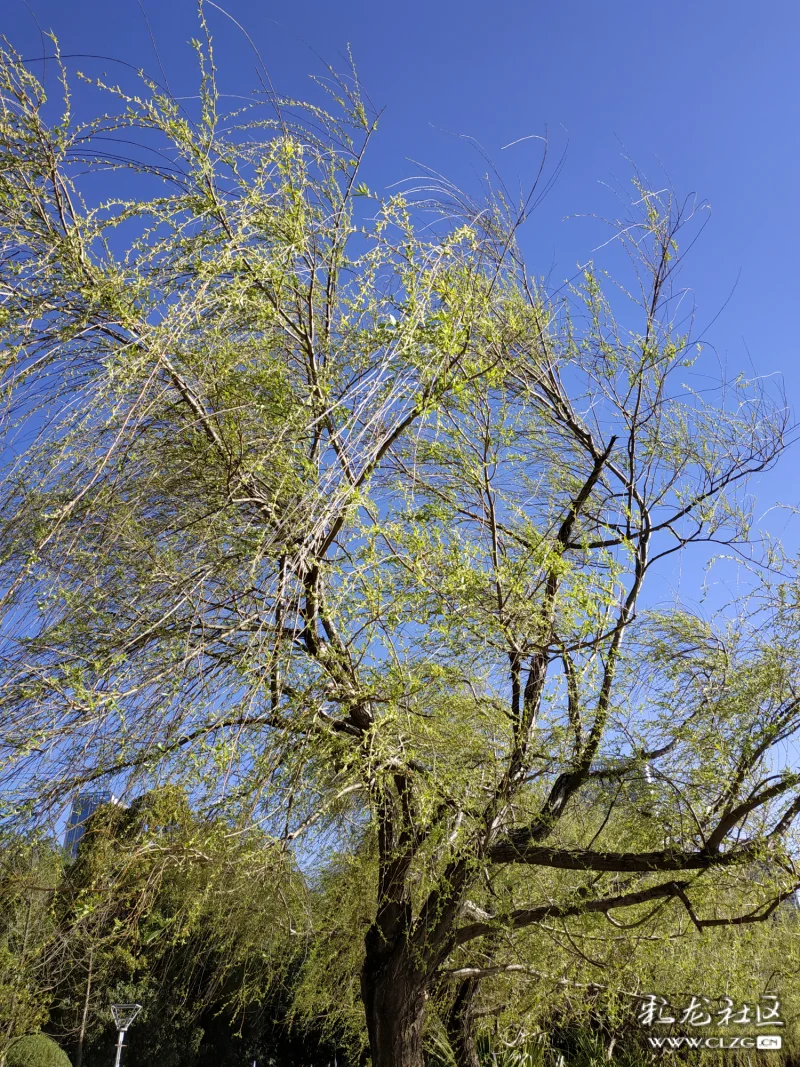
[707,92]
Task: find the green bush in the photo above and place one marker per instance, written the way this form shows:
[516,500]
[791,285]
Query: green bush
[36,1050]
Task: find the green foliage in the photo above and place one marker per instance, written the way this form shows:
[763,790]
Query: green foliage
[36,1050]
[190,917]
[30,869]
[326,985]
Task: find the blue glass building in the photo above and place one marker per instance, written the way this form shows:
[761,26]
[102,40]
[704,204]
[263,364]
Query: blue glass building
[83,807]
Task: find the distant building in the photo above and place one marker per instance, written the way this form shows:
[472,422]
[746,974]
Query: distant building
[83,807]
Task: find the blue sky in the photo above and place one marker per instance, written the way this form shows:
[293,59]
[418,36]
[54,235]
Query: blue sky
[703,95]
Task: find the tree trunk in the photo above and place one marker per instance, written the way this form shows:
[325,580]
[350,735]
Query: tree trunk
[459,1025]
[394,1002]
[85,1015]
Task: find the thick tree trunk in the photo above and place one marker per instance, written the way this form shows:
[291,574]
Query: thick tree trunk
[459,1024]
[394,1003]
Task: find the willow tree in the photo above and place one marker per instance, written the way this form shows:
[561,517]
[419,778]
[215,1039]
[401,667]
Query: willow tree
[29,938]
[166,907]
[315,502]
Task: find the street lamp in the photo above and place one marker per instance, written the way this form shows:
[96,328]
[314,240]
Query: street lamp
[124,1014]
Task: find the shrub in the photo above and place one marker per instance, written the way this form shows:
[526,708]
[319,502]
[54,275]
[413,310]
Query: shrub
[36,1050]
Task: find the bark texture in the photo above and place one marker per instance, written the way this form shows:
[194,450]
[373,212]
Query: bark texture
[394,1002]
[459,1024]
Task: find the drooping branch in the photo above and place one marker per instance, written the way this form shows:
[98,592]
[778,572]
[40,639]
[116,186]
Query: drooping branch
[522,917]
[589,860]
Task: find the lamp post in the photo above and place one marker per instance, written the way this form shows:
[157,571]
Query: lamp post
[124,1014]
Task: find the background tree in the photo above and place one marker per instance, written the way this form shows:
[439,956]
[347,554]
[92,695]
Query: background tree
[196,922]
[29,873]
[203,924]
[316,503]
